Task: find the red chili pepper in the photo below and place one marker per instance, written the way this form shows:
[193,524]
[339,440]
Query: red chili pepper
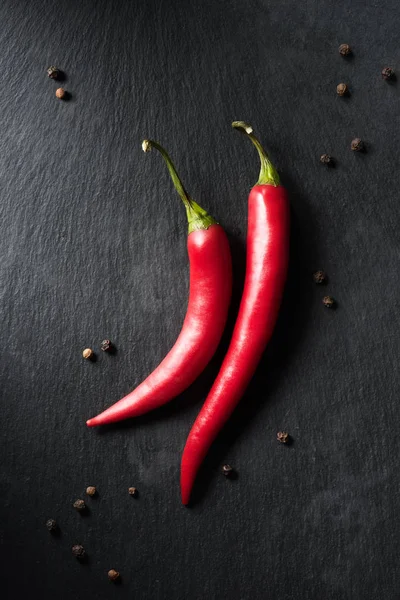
[267,259]
[209,297]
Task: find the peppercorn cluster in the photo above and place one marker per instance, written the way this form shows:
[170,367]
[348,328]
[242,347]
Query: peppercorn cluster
[342,90]
[55,74]
[78,550]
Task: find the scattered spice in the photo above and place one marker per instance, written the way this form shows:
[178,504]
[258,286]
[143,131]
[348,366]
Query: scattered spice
[88,353]
[106,345]
[328,301]
[357,145]
[91,490]
[113,575]
[79,505]
[319,277]
[342,89]
[326,159]
[78,551]
[51,525]
[387,73]
[344,49]
[283,437]
[132,491]
[53,72]
[227,470]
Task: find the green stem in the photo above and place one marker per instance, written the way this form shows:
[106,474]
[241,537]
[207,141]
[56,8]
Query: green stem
[268,173]
[197,217]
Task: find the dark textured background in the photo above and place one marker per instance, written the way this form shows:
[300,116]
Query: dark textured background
[93,245]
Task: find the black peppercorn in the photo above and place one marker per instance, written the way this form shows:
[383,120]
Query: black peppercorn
[319,277]
[113,575]
[53,72]
[78,551]
[387,73]
[357,145]
[344,49]
[342,89]
[79,505]
[51,525]
[132,491]
[283,437]
[326,159]
[106,345]
[329,302]
[227,470]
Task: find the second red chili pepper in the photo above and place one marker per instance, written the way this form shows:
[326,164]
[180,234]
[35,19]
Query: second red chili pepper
[209,297]
[267,259]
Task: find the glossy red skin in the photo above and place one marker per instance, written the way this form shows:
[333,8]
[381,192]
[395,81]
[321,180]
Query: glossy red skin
[209,297]
[266,269]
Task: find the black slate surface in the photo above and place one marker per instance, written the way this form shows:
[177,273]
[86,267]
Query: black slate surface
[93,245]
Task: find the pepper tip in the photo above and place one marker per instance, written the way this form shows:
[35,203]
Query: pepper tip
[268,173]
[146,146]
[242,125]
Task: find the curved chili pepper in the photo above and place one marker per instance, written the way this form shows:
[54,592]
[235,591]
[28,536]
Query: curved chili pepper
[209,297]
[267,259]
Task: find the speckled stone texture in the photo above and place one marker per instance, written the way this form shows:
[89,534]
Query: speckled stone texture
[93,246]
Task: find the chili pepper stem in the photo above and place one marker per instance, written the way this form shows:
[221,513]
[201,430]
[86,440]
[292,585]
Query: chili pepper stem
[197,217]
[268,174]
